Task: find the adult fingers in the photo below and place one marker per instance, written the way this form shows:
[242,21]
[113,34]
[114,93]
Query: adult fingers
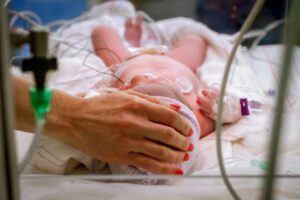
[144,96]
[152,165]
[151,99]
[160,152]
[163,115]
[168,136]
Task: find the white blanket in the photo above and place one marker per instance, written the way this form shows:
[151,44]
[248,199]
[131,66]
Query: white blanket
[253,75]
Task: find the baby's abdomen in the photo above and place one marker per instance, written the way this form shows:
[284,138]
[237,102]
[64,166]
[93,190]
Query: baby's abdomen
[162,66]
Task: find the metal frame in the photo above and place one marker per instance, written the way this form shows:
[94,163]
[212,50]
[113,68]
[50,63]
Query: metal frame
[9,180]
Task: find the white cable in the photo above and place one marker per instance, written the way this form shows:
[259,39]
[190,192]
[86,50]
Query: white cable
[6,3]
[39,129]
[56,23]
[33,15]
[158,33]
[153,28]
[11,61]
[23,16]
[266,30]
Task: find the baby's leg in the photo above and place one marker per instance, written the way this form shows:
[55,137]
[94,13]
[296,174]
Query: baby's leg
[133,31]
[208,102]
[190,51]
[108,45]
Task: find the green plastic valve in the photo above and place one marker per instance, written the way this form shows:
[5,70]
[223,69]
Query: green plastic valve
[40,102]
[260,164]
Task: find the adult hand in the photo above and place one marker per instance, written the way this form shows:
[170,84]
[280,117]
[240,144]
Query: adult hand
[128,128]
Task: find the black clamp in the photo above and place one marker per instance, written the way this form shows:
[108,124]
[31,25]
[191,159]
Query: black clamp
[39,63]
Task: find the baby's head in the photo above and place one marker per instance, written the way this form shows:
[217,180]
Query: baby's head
[155,86]
[160,89]
[170,95]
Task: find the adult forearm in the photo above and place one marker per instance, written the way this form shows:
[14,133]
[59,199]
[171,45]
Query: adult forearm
[56,119]
[23,112]
[122,127]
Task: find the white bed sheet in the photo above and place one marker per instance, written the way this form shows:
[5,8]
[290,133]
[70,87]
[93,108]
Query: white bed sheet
[253,74]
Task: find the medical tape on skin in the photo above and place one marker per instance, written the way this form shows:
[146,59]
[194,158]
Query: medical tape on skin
[185,166]
[231,109]
[155,50]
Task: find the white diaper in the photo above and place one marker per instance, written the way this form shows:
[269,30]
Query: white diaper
[185,166]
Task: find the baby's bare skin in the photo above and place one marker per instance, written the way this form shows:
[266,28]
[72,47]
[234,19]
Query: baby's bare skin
[181,61]
[170,70]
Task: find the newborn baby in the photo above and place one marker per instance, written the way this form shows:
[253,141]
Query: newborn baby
[167,75]
[175,68]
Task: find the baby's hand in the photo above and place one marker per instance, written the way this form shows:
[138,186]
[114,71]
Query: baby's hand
[208,102]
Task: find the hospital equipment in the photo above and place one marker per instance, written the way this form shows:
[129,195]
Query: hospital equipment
[39,64]
[40,95]
[244,106]
[255,163]
[294,32]
[246,26]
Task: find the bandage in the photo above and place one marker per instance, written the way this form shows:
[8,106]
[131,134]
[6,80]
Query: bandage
[185,166]
[154,50]
[184,84]
[231,108]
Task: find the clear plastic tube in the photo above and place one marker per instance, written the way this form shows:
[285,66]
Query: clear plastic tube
[39,129]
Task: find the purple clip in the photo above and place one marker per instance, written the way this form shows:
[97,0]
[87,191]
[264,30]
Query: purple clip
[244,106]
[255,105]
[271,92]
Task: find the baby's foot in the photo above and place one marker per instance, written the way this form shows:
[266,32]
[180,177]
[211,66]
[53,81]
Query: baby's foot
[133,31]
[208,105]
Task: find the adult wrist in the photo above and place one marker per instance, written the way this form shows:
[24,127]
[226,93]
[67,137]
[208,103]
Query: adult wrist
[64,109]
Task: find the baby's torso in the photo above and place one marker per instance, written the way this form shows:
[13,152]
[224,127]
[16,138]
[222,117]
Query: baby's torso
[158,65]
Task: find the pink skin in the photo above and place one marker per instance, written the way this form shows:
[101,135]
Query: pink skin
[133,31]
[206,100]
[178,62]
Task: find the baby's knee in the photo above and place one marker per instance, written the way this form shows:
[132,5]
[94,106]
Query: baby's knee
[194,39]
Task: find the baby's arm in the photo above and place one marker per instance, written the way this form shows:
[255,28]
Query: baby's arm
[190,51]
[207,102]
[108,45]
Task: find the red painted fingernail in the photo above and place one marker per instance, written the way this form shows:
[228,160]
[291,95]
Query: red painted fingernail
[190,133]
[179,172]
[191,147]
[175,106]
[186,157]
[198,100]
